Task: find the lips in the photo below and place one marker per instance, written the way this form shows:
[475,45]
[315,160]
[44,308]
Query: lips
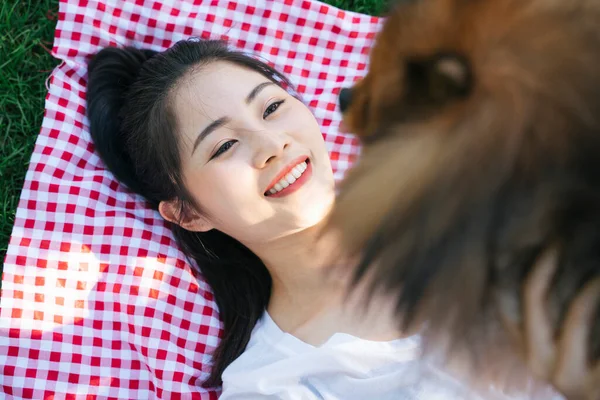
[284,171]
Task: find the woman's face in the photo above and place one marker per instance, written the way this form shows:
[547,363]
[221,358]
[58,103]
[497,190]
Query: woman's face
[253,156]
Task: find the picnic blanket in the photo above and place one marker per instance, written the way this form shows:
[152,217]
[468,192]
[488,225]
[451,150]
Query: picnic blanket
[97,300]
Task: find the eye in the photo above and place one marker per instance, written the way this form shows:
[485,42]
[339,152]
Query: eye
[224,147]
[272,108]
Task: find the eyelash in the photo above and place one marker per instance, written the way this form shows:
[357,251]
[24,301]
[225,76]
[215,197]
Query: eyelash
[276,105]
[223,148]
[227,145]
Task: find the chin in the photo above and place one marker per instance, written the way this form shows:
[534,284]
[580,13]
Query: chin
[480,125]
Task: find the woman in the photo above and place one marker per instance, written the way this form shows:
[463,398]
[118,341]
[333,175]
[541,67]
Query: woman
[213,139]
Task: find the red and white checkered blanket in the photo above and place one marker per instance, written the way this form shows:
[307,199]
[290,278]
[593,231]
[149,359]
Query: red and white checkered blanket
[97,300]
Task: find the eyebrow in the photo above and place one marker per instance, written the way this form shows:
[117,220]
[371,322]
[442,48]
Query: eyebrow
[208,130]
[252,95]
[223,120]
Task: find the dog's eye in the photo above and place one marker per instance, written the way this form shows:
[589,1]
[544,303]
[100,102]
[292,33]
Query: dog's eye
[451,72]
[440,78]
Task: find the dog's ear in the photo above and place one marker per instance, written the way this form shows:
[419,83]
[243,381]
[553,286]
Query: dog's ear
[438,79]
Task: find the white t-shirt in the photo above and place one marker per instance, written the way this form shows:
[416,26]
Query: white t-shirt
[278,366]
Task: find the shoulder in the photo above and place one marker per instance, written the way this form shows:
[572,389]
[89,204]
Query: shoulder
[260,345]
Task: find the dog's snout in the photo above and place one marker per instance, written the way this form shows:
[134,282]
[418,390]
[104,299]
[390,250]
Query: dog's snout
[345,98]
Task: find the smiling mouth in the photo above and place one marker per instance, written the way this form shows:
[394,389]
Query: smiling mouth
[291,180]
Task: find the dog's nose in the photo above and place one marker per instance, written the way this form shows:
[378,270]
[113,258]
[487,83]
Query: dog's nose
[345,98]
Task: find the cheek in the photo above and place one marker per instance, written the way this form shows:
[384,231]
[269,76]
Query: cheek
[222,187]
[228,193]
[309,135]
[306,129]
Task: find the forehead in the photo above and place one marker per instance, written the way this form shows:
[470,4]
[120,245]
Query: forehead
[210,92]
[216,82]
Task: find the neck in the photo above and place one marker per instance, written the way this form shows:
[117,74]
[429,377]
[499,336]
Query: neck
[300,266]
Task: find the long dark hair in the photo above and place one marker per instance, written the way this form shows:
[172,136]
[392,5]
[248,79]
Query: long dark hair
[134,131]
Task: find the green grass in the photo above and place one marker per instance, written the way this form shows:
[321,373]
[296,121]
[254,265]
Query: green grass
[371,7]
[26,32]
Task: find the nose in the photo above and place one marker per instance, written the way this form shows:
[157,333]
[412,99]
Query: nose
[345,98]
[269,146]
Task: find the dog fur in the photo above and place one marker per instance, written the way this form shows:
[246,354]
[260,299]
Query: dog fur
[480,121]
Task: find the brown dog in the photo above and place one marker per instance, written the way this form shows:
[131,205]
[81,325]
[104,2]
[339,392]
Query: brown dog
[481,128]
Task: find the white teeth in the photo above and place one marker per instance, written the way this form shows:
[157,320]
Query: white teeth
[290,178]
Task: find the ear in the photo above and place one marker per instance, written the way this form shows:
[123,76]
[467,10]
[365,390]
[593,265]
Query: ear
[192,221]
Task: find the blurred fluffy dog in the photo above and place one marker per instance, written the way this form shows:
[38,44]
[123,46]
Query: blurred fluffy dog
[480,121]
